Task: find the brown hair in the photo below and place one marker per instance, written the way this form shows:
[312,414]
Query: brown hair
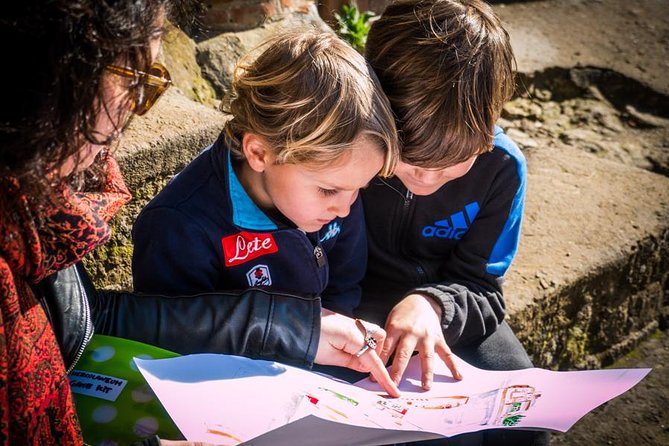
[59,53]
[309,94]
[447,67]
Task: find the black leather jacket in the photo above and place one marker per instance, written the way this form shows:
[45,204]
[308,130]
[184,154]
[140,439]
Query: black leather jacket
[253,323]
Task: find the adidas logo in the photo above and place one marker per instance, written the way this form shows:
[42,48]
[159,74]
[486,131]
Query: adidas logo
[455,226]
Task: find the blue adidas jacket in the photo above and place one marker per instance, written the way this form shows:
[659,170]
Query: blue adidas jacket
[454,245]
[202,232]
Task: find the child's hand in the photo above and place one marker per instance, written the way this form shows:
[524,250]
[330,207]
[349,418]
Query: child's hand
[414,324]
[341,343]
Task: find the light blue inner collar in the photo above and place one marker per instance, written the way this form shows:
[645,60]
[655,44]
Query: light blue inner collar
[245,213]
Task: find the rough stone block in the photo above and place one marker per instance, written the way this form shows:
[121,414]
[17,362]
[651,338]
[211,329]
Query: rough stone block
[154,148]
[591,274]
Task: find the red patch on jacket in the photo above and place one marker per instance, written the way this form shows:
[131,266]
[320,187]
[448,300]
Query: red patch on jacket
[244,246]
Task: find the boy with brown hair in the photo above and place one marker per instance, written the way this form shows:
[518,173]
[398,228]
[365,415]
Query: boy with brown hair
[273,204]
[444,230]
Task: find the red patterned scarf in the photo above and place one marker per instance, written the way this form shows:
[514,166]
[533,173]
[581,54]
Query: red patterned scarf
[36,406]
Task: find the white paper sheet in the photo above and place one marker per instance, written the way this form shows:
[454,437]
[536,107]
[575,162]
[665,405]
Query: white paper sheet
[232,400]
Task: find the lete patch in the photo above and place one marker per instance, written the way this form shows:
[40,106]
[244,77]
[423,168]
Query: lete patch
[244,246]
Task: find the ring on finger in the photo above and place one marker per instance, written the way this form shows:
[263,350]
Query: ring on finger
[368,332]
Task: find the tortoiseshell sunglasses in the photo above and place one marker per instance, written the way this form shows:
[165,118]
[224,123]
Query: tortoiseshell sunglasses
[146,87]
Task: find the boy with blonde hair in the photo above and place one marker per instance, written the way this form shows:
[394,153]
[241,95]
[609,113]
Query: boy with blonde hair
[443,232]
[273,204]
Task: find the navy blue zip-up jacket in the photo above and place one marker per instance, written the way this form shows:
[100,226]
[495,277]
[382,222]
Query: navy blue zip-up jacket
[454,245]
[203,232]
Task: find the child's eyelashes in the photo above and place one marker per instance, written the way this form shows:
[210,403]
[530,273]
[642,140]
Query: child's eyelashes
[327,192]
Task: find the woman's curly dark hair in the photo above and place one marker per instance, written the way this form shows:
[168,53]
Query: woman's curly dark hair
[55,53]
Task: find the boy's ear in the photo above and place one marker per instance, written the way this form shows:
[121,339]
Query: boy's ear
[256,151]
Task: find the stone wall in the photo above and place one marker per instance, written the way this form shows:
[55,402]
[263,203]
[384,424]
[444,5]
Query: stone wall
[154,148]
[239,15]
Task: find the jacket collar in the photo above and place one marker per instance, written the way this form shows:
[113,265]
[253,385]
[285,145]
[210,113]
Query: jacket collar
[245,213]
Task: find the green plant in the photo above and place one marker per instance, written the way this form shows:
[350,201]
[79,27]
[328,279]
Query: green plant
[353,25]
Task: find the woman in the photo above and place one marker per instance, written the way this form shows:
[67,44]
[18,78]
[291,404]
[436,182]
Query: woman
[78,70]
[68,105]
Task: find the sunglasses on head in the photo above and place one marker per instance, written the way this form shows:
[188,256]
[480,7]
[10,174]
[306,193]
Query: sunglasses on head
[146,87]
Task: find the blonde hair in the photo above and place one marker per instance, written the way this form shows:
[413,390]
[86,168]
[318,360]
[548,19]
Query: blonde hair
[309,95]
[447,67]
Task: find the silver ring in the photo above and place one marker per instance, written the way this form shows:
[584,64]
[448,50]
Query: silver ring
[370,340]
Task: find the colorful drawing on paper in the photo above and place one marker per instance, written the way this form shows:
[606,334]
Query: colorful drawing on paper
[505,406]
[217,392]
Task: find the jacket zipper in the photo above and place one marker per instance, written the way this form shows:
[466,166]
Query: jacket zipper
[320,258]
[422,276]
[404,217]
[88,330]
[319,255]
[408,198]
